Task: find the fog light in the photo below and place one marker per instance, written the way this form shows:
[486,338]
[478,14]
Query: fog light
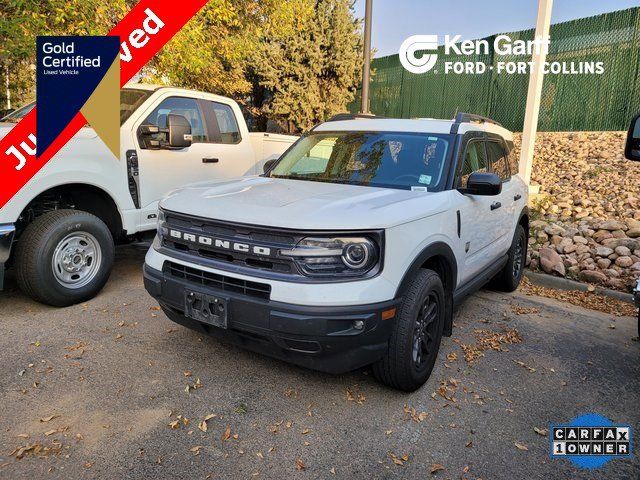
[358,324]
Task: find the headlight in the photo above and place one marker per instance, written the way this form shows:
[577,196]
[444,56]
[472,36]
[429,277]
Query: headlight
[338,256]
[161,219]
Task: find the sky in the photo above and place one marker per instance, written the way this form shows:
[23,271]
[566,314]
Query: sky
[395,20]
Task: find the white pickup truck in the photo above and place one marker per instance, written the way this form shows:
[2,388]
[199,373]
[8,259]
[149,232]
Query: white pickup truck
[58,232]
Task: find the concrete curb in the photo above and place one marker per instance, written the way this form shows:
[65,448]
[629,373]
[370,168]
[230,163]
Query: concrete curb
[558,283]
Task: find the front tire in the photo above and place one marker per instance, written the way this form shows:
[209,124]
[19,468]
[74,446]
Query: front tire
[417,332]
[64,257]
[508,279]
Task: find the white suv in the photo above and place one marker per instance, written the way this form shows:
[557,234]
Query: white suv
[352,249]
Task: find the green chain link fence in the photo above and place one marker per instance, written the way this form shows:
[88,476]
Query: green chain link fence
[570,102]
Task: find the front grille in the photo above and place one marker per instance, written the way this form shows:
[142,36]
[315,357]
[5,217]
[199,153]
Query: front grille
[217,281]
[272,238]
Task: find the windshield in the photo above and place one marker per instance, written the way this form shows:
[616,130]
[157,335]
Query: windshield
[15,117]
[130,100]
[377,159]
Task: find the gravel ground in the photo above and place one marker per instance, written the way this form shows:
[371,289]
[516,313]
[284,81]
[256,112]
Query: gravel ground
[114,374]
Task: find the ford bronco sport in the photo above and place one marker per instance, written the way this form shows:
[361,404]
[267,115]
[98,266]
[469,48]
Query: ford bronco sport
[354,246]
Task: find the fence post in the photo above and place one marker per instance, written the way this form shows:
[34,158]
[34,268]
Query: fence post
[536,79]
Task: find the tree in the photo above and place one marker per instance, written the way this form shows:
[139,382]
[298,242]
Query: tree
[311,73]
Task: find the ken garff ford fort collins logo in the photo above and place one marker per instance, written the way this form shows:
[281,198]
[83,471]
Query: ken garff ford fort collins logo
[419,54]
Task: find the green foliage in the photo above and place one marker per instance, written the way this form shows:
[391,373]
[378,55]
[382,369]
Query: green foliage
[312,72]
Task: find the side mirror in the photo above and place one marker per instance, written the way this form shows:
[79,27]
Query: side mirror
[148,129]
[483,183]
[632,148]
[179,131]
[268,165]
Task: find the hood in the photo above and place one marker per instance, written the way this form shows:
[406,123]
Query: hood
[299,204]
[5,127]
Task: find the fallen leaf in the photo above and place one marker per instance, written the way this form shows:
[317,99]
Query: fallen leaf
[300,465]
[436,467]
[541,431]
[259,455]
[175,424]
[50,432]
[521,446]
[49,418]
[196,449]
[227,434]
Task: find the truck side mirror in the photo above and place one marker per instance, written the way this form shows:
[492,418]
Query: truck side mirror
[632,148]
[179,131]
[483,183]
[268,165]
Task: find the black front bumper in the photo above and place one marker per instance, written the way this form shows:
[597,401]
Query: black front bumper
[320,338]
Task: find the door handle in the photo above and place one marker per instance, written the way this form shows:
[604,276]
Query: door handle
[517,197]
[210,160]
[495,205]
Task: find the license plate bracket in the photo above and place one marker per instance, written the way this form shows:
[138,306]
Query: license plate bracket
[210,309]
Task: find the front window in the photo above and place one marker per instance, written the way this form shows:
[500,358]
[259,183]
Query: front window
[187,107]
[376,159]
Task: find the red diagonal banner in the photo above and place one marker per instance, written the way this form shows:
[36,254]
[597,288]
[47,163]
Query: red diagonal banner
[143,32]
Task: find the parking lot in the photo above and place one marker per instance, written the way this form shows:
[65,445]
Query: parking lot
[112,389]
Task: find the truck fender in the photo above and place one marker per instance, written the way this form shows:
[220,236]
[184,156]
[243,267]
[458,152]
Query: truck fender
[445,263]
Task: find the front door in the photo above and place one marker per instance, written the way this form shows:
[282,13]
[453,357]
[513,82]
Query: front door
[217,150]
[479,219]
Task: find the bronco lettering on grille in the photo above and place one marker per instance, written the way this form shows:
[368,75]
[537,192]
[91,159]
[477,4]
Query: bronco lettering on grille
[222,244]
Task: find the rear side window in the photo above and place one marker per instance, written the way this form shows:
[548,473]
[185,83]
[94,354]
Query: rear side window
[475,160]
[498,160]
[221,123]
[514,161]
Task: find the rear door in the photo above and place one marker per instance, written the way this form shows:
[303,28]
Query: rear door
[479,229]
[506,212]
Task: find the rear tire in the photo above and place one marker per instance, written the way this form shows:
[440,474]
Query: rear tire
[64,257]
[411,355]
[508,279]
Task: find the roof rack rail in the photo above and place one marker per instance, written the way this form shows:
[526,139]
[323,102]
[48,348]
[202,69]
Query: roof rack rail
[462,117]
[351,116]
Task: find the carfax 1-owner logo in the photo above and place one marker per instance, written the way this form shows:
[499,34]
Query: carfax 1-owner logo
[590,441]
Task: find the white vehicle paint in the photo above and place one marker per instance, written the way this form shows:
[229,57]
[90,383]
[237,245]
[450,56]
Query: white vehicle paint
[130,190]
[413,195]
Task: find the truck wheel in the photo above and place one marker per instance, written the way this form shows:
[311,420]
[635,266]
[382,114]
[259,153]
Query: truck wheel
[415,340]
[64,257]
[509,277]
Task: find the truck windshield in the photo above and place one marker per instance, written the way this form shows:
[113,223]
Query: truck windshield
[130,100]
[15,117]
[377,159]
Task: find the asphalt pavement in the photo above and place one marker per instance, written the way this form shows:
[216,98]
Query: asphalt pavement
[113,389]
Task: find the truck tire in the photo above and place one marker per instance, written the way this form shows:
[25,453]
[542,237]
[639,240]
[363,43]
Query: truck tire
[508,279]
[415,340]
[64,257]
